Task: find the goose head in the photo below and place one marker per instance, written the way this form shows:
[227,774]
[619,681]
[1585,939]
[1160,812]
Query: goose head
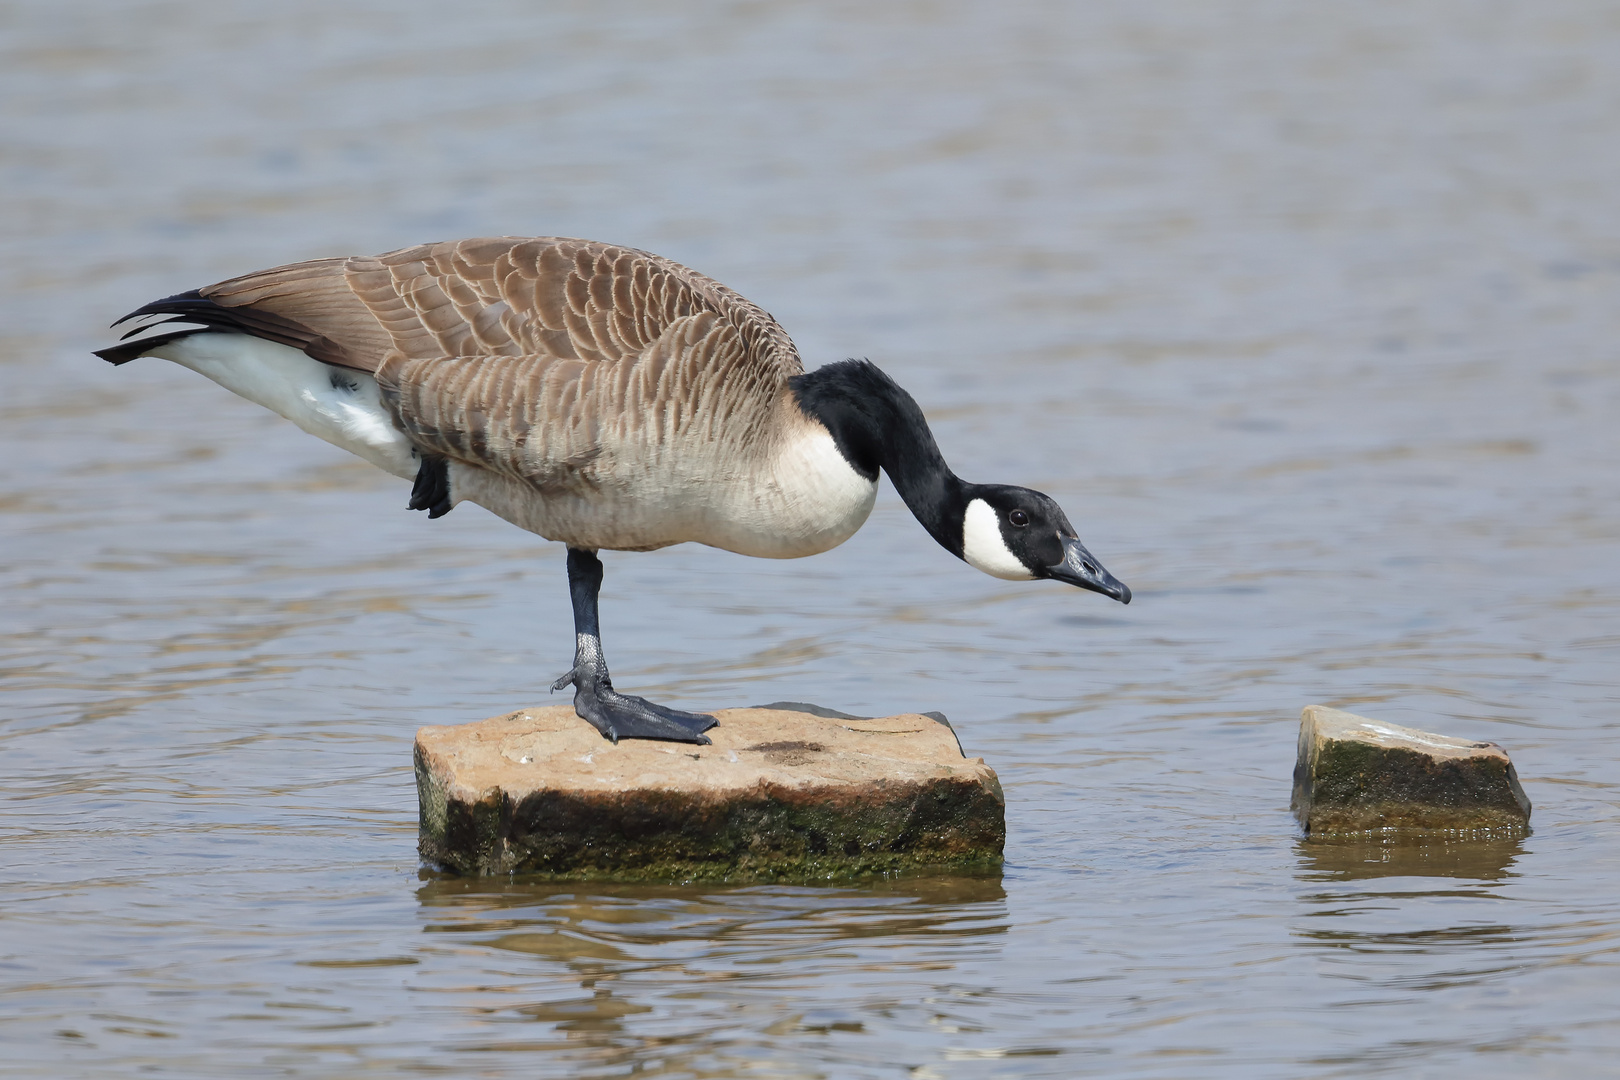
[1022,535]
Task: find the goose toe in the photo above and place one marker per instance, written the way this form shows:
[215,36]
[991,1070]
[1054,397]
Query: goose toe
[623,716]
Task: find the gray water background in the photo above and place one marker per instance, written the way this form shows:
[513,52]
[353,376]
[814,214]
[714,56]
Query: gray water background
[1308,314]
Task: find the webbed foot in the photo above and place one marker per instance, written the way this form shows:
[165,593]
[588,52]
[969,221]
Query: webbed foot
[625,716]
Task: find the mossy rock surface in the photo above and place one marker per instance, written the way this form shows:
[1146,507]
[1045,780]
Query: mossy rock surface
[1357,775]
[780,795]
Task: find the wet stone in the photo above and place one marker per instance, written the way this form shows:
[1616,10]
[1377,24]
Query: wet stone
[1359,775]
[784,792]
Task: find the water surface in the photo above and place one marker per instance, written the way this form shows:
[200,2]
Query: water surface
[1308,316]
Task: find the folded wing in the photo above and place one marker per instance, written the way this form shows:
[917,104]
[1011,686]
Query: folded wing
[545,359]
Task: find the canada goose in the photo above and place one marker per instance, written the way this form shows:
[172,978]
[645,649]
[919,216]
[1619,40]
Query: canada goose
[602,397]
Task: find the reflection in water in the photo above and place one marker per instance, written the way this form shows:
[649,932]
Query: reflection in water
[1416,940]
[603,966]
[1413,938]
[1355,858]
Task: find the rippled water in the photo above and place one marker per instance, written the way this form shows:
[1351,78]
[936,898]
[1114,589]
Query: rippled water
[1309,315]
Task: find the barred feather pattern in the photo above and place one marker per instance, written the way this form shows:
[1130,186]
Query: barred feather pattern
[576,425]
[643,403]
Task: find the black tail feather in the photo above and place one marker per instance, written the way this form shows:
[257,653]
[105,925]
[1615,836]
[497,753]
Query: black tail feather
[193,307]
[144,327]
[170,305]
[123,354]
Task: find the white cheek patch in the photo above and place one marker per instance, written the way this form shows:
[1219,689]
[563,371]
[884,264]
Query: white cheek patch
[983,547]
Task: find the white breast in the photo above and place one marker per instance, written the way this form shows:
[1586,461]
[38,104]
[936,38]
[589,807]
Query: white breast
[801,500]
[812,500]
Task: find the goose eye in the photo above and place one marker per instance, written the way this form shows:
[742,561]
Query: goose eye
[1018,518]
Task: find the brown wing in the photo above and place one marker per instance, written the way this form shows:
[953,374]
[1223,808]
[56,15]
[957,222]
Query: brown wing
[502,296]
[565,363]
[695,391]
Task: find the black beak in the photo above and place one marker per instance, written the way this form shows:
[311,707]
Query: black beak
[1080,568]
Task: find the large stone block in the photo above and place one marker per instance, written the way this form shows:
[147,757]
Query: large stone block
[1357,775]
[781,794]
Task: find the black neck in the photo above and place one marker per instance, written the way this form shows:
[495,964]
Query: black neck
[877,425]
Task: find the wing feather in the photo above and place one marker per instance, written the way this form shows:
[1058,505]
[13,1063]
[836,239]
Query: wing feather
[561,362]
[569,425]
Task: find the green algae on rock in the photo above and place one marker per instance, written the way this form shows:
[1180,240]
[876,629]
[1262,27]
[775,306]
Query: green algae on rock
[1358,775]
[779,795]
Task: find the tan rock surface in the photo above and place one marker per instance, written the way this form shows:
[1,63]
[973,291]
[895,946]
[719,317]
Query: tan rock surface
[1354,774]
[778,794]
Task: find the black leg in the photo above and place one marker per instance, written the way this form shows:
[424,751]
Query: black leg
[617,716]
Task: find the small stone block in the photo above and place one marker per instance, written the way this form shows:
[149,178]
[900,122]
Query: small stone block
[779,795]
[1359,775]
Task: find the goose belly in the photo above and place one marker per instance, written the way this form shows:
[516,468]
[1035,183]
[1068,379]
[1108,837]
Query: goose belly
[802,499]
[336,404]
